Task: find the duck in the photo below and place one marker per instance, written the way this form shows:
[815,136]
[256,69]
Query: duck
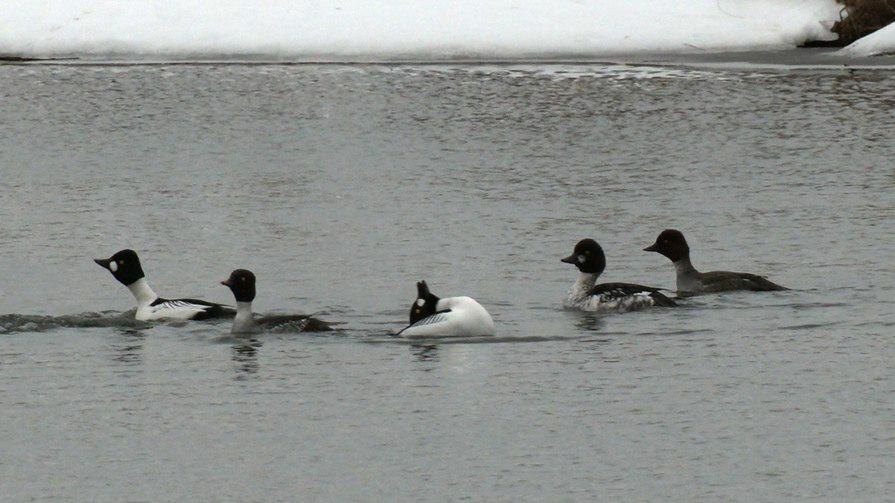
[126,268]
[431,316]
[242,283]
[587,295]
[672,244]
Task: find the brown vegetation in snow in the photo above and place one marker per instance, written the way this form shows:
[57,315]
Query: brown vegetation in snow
[862,17]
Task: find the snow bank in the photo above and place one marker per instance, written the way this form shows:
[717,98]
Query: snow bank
[338,30]
[879,42]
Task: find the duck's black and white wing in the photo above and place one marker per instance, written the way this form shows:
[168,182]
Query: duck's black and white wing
[189,309]
[435,325]
[628,296]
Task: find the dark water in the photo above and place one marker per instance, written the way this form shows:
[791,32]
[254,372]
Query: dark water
[341,186]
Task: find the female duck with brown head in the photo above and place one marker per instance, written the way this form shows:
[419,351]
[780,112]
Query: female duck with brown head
[242,283]
[671,243]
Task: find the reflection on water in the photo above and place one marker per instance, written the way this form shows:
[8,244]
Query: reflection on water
[244,353]
[424,352]
[129,350]
[590,322]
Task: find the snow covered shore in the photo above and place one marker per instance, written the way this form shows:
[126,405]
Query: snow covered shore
[879,42]
[428,30]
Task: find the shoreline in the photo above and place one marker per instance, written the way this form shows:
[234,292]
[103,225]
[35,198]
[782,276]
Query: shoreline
[805,57]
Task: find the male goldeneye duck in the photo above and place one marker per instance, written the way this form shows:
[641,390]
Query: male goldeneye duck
[606,297]
[242,283]
[672,244]
[125,266]
[431,316]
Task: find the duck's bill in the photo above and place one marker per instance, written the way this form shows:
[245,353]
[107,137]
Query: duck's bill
[227,282]
[103,262]
[571,259]
[651,248]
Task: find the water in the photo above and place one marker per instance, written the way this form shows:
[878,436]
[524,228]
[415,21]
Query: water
[341,186]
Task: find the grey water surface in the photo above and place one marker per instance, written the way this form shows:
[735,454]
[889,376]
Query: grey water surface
[341,186]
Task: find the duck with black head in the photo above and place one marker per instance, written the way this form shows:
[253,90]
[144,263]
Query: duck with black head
[431,316]
[587,295]
[126,268]
[242,283]
[672,244]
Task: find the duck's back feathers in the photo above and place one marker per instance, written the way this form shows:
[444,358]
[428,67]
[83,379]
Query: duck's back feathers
[722,281]
[617,291]
[618,297]
[188,309]
[612,290]
[292,323]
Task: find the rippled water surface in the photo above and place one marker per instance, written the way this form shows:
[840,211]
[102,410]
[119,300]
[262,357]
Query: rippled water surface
[340,186]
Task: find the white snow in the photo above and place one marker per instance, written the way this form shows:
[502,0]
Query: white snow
[881,41]
[430,30]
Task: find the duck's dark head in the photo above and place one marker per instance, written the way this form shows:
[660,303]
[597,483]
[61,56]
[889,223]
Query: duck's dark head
[242,283]
[425,303]
[588,257]
[124,265]
[672,244]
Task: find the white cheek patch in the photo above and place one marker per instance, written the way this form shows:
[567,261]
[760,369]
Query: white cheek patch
[420,302]
[113,266]
[580,259]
